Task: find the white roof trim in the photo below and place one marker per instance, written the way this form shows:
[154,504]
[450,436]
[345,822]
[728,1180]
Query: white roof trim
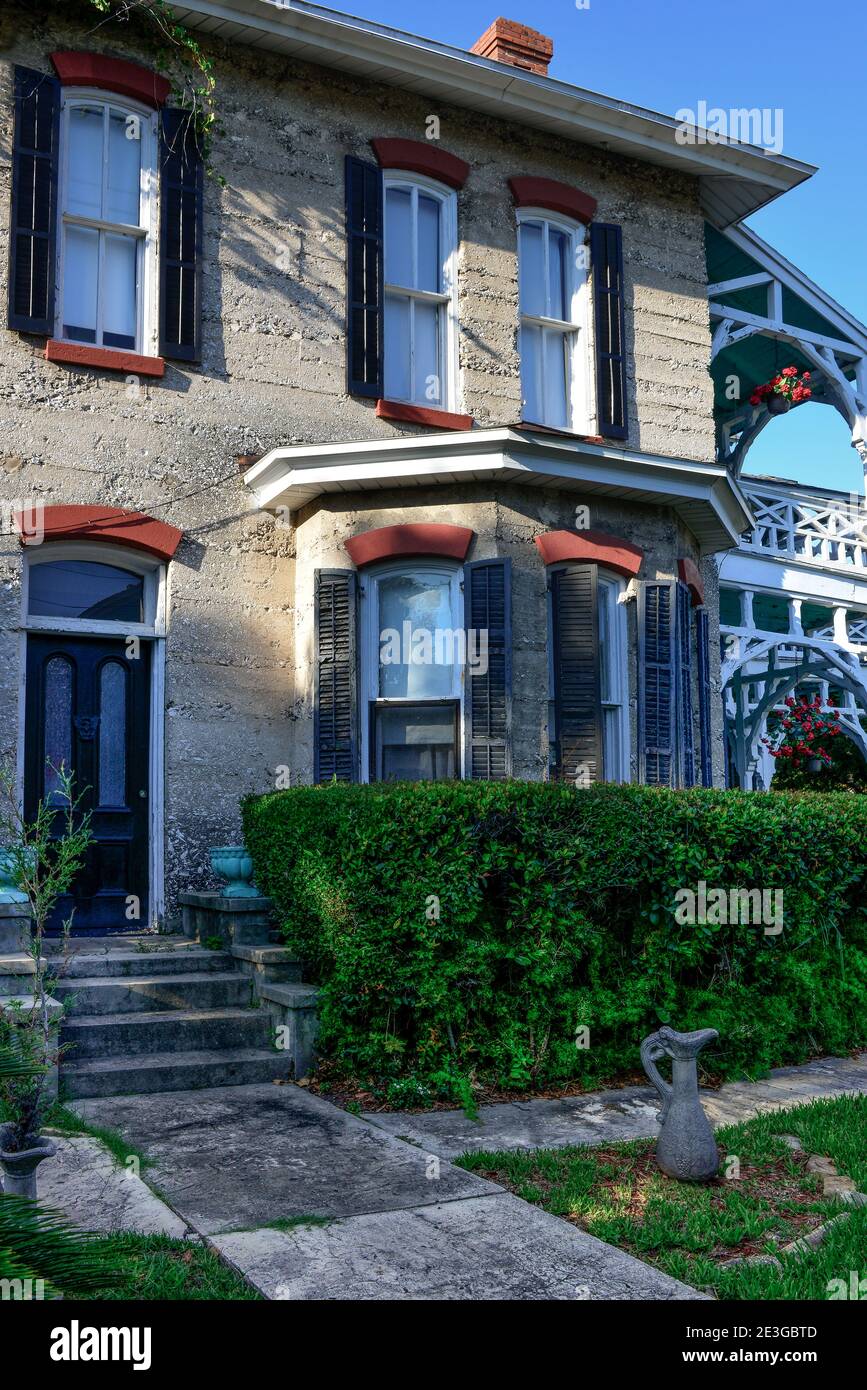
[704,495]
[800,284]
[736,179]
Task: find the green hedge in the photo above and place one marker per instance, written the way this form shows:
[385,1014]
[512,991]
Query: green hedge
[557,910]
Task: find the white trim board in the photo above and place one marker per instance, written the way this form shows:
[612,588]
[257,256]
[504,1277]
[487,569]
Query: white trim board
[709,501]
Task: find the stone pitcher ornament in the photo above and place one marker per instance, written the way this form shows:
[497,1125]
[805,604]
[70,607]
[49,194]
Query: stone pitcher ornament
[686,1148]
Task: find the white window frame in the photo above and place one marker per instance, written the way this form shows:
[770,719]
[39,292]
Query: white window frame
[579,405]
[370,647]
[146,334]
[448,299]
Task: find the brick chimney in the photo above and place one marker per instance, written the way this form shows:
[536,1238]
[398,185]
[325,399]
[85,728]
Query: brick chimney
[507,41]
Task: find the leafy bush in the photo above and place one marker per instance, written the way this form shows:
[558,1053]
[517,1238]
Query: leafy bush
[462,933]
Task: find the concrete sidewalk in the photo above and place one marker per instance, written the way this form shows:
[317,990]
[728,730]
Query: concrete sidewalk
[605,1117]
[310,1202]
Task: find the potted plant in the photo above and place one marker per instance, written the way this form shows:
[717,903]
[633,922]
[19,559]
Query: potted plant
[783,391]
[41,858]
[798,737]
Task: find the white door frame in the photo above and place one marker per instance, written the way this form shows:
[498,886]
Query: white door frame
[152,630]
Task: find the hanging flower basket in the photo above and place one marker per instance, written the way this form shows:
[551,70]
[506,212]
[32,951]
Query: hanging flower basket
[797,736]
[782,392]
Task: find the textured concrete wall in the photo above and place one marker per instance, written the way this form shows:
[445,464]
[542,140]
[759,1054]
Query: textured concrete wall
[273,372]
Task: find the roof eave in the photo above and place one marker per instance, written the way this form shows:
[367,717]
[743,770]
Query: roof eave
[704,495]
[735,179]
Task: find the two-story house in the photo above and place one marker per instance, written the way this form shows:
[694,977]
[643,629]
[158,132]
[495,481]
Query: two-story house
[382,448]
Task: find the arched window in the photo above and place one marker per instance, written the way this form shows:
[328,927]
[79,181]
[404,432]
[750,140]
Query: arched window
[106,252]
[413,661]
[552,289]
[420,251]
[85,589]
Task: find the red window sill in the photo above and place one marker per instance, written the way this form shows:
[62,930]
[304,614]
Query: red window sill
[83,355]
[422,415]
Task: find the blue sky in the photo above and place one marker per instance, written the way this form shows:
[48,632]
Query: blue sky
[803,57]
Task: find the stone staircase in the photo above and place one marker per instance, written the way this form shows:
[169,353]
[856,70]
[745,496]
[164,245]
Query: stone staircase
[171,1015]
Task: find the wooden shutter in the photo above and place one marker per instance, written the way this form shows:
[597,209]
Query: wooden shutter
[181,197]
[657,695]
[364,278]
[606,258]
[33,219]
[336,683]
[488,695]
[702,645]
[575,658]
[685,728]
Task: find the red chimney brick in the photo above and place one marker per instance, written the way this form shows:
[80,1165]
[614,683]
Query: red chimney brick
[507,41]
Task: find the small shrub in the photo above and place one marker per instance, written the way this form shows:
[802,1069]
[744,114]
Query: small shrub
[462,933]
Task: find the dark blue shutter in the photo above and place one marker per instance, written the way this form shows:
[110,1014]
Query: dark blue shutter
[577,751]
[181,197]
[657,694]
[365,296]
[33,219]
[685,730]
[488,694]
[335,721]
[702,644]
[606,264]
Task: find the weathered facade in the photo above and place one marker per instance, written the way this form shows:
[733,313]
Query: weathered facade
[235,649]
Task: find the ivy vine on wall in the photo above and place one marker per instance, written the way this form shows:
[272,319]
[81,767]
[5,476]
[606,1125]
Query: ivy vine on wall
[178,54]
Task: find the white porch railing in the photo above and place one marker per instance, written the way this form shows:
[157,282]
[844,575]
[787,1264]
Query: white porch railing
[813,530]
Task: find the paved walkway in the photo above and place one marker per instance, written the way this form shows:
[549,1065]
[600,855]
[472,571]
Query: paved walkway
[241,1164]
[604,1117]
[312,1203]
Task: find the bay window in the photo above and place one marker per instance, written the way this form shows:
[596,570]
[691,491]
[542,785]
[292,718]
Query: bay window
[411,665]
[105,247]
[420,251]
[553,339]
[588,676]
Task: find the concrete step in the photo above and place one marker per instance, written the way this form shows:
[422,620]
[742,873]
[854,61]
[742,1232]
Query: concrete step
[171,1071]
[117,995]
[135,1035]
[183,960]
[275,963]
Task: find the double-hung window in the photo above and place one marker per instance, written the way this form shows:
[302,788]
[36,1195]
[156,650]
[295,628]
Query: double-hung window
[106,244]
[588,676]
[412,672]
[420,253]
[553,341]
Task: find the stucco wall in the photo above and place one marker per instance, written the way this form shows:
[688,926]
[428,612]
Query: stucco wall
[273,372]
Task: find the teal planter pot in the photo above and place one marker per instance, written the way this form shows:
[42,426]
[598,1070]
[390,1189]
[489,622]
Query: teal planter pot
[234,864]
[10,892]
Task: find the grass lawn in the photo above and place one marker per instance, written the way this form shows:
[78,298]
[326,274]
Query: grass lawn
[158,1267]
[618,1194]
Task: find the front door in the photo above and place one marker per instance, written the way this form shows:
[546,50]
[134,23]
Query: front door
[88,708]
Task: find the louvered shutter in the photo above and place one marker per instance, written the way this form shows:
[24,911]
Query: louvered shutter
[575,657]
[33,218]
[336,685]
[685,730]
[364,278]
[606,257]
[702,644]
[181,199]
[657,698]
[488,694]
